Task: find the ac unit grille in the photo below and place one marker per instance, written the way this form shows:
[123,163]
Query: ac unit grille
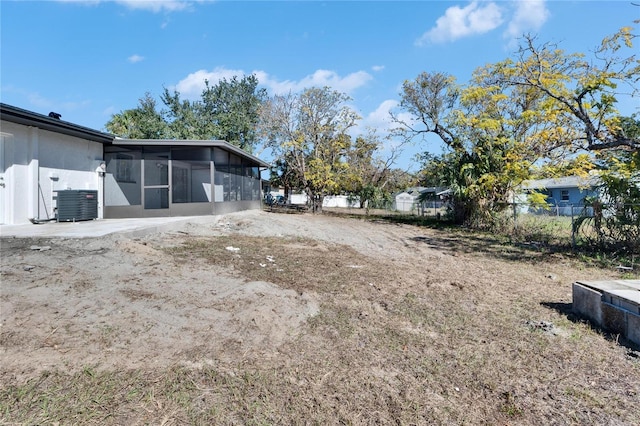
[77,204]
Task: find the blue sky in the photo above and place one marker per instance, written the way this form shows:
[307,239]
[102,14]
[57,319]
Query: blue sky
[90,59]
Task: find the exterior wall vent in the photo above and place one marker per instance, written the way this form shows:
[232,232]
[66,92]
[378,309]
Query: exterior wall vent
[77,204]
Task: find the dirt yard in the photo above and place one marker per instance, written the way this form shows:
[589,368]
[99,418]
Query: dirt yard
[264,318]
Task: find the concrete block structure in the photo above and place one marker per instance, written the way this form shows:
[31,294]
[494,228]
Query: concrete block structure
[613,305]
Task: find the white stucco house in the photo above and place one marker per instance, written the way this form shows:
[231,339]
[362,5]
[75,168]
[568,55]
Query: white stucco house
[43,159]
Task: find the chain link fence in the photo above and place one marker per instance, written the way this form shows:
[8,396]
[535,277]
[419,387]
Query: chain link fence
[609,227]
[592,226]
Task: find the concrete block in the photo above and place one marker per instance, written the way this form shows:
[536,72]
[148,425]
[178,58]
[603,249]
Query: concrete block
[633,328]
[587,302]
[614,318]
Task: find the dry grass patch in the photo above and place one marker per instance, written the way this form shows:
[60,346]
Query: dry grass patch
[465,337]
[294,263]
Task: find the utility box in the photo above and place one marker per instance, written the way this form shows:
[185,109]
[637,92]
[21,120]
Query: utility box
[77,204]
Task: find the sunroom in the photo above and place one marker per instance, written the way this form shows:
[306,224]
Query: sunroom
[158,177]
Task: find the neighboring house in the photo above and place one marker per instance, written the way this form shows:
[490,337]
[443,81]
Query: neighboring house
[563,193]
[40,156]
[407,201]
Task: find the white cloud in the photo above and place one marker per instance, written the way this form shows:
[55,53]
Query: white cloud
[156,5]
[135,58]
[39,101]
[191,86]
[346,84]
[377,68]
[150,5]
[529,15]
[380,118]
[42,103]
[476,18]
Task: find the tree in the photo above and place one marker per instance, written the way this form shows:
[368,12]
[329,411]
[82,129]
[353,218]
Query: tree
[430,100]
[581,94]
[368,176]
[185,119]
[579,165]
[234,105]
[544,105]
[432,169]
[228,110]
[142,122]
[616,216]
[308,133]
[485,130]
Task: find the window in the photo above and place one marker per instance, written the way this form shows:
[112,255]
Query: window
[124,169]
[122,183]
[564,195]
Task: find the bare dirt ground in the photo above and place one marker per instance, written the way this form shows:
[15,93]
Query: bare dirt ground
[263,318]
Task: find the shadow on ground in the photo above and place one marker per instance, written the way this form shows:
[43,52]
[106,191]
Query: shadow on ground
[566,309]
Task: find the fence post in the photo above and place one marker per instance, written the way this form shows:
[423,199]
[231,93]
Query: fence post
[515,216]
[573,231]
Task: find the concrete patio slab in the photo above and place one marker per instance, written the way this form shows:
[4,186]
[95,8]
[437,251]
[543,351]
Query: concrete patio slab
[99,227]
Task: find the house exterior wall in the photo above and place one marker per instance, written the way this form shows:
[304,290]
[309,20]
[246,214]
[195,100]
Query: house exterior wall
[38,162]
[40,155]
[567,201]
[567,196]
[298,199]
[343,201]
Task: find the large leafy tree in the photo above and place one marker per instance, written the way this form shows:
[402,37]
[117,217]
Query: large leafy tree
[142,122]
[185,119]
[581,97]
[228,110]
[234,106]
[580,94]
[369,174]
[307,133]
[616,217]
[484,129]
[545,104]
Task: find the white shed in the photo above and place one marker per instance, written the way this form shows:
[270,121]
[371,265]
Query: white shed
[405,201]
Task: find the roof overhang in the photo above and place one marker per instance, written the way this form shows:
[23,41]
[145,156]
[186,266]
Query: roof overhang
[28,118]
[561,182]
[187,142]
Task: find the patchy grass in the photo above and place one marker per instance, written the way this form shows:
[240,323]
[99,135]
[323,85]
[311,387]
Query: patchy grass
[472,338]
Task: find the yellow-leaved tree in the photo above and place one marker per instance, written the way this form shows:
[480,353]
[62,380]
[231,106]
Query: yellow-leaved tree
[307,133]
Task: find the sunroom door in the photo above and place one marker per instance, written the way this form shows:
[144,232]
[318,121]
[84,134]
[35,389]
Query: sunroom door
[156,179]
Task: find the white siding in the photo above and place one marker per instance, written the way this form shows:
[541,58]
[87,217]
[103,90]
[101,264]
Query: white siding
[38,162]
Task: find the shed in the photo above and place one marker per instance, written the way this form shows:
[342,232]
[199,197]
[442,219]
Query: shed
[405,201]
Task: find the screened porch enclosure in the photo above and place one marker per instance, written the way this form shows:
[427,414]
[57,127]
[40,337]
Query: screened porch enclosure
[154,180]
